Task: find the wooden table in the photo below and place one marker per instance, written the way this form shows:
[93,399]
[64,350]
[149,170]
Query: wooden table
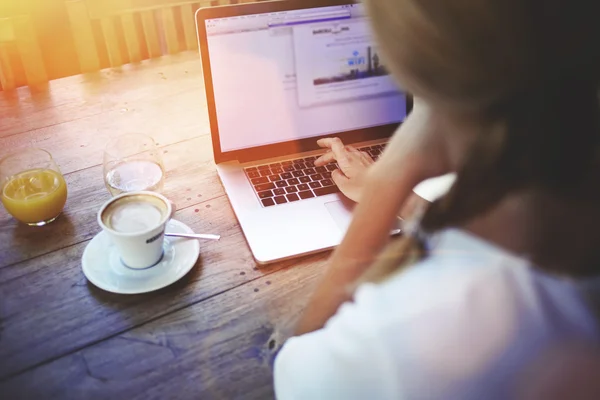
[213,334]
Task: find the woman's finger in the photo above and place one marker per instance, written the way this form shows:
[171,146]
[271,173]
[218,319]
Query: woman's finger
[326,158]
[367,159]
[327,142]
[337,147]
[341,180]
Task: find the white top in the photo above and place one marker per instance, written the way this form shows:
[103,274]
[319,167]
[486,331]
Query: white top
[464,323]
[434,188]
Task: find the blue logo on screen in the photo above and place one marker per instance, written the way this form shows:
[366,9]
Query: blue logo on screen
[356,59]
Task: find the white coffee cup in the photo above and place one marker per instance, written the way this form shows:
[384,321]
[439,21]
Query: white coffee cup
[136,224]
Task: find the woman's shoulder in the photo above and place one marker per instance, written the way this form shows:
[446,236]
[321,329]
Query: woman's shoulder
[471,280]
[462,318]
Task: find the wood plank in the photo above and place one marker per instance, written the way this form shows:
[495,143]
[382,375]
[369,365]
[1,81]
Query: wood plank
[81,96]
[219,348]
[189,26]
[170,30]
[112,42]
[85,45]
[190,158]
[49,309]
[80,144]
[151,34]
[131,38]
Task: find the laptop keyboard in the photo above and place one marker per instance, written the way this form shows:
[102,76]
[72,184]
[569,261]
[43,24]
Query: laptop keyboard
[298,179]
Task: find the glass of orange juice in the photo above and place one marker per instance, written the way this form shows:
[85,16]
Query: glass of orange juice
[33,189]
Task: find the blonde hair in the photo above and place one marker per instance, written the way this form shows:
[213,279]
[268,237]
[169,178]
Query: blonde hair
[532,67]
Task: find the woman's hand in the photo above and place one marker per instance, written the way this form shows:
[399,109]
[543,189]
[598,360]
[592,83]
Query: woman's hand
[353,166]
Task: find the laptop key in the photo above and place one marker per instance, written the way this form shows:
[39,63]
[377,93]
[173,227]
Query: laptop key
[251,169]
[326,190]
[279,192]
[266,186]
[268,202]
[303,187]
[286,163]
[275,165]
[309,171]
[277,170]
[289,168]
[293,182]
[326,175]
[280,200]
[299,166]
[274,178]
[265,194]
[253,174]
[310,164]
[306,195]
[305,179]
[314,185]
[281,184]
[310,158]
[265,172]
[286,175]
[292,197]
[321,169]
[258,181]
[298,174]
[316,177]
[261,167]
[331,167]
[327,182]
[291,189]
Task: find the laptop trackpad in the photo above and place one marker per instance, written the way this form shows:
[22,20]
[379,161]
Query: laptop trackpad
[341,212]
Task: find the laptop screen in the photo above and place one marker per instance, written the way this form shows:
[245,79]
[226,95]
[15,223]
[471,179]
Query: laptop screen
[292,75]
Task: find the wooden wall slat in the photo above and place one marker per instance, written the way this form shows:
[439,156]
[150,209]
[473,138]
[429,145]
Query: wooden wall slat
[151,34]
[189,26]
[131,38]
[85,45]
[7,74]
[29,50]
[170,30]
[112,42]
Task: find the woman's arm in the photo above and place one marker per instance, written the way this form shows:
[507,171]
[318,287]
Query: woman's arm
[413,155]
[369,232]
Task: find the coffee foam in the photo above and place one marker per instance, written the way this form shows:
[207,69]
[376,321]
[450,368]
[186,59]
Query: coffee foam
[133,214]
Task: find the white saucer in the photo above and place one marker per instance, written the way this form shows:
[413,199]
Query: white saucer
[102,265]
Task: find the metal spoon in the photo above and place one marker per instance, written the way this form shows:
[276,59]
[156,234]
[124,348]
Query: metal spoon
[194,236]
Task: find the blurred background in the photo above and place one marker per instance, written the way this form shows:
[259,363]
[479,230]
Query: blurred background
[41,40]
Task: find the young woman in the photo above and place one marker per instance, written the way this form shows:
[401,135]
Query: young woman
[499,279]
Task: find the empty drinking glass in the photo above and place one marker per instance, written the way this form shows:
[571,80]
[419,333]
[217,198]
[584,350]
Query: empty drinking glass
[132,162]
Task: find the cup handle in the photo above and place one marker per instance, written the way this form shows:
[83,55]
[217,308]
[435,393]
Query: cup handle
[173,210]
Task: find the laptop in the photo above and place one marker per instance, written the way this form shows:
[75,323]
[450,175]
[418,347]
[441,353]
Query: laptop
[279,75]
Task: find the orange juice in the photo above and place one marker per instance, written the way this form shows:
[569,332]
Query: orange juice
[35,196]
